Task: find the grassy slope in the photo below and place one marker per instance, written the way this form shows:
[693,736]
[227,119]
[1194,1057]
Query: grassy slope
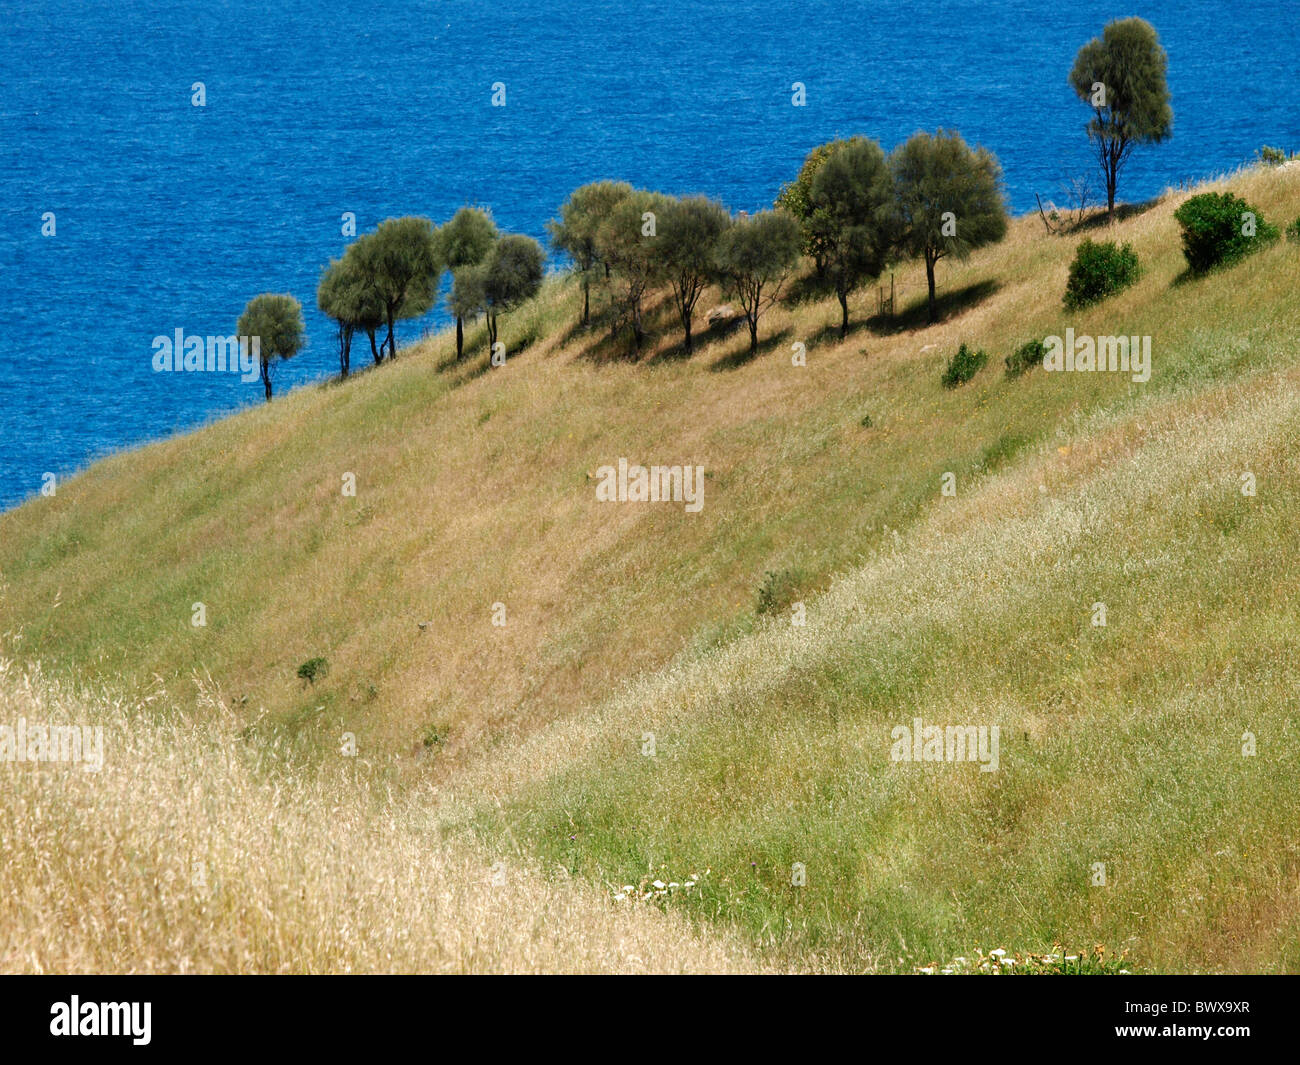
[1120,745]
[185,853]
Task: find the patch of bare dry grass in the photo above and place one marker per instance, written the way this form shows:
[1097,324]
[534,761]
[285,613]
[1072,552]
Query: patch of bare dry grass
[192,851]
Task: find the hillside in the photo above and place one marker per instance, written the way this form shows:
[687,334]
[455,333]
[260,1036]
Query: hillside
[476,486]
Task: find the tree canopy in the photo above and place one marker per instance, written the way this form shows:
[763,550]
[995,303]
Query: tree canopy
[796,198]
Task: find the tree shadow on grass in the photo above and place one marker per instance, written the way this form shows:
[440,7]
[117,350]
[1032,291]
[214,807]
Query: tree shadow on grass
[703,335]
[742,356]
[807,288]
[1099,221]
[916,315]
[602,347]
[1224,266]
[576,331]
[830,333]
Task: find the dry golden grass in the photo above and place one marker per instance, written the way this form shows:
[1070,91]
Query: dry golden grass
[191,851]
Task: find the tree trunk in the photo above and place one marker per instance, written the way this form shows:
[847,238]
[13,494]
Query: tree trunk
[345,354]
[686,324]
[460,337]
[586,302]
[929,277]
[374,350]
[392,344]
[1112,156]
[266,377]
[753,334]
[844,317]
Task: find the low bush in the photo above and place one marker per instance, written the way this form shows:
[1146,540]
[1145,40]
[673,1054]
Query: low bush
[963,366]
[1220,228]
[1100,269]
[779,591]
[313,668]
[1025,357]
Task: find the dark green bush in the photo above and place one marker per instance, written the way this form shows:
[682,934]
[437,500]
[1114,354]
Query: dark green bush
[963,366]
[1025,357]
[1100,269]
[779,590]
[1216,230]
[313,668]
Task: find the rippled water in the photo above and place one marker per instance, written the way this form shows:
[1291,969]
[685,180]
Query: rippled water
[171,216]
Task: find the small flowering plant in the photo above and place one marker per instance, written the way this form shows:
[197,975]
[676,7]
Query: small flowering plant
[655,889]
[1057,962]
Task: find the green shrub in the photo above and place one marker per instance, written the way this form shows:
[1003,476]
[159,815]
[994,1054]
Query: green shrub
[1100,269]
[779,590]
[1272,156]
[1293,232]
[866,422]
[1217,230]
[963,366]
[313,668]
[1025,357]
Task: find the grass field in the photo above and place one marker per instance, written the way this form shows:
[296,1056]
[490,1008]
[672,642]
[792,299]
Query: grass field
[523,743]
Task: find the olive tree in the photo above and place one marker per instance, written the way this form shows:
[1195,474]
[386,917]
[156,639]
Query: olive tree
[854,215]
[754,256]
[275,318]
[400,262]
[465,241]
[626,243]
[949,199]
[468,298]
[688,232]
[511,274]
[1121,76]
[574,232]
[344,296]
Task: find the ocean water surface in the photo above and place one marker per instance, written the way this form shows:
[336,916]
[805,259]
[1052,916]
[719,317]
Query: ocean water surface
[171,216]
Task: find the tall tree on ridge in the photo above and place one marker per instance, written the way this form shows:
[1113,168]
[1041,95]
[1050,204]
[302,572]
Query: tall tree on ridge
[1121,76]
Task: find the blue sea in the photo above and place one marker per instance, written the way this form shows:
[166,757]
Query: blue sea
[171,216]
